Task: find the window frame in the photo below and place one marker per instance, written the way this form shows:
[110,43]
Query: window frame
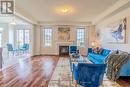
[51,38]
[78,28]
[1,38]
[1,32]
[17,37]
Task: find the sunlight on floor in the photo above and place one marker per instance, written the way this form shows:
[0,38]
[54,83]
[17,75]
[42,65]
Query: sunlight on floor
[9,60]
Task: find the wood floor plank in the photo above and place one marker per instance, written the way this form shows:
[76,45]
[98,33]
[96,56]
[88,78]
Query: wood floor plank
[124,81]
[35,72]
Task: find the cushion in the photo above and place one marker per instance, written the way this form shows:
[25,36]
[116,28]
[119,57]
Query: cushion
[97,50]
[100,50]
[90,50]
[105,52]
[96,56]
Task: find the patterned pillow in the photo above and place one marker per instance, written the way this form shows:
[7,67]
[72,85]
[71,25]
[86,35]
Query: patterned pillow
[97,50]
[100,51]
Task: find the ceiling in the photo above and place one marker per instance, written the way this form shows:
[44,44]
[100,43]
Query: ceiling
[82,10]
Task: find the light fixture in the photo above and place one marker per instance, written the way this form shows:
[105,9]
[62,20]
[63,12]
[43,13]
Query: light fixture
[13,22]
[93,43]
[1,29]
[65,10]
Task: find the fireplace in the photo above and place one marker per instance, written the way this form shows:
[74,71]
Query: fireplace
[63,50]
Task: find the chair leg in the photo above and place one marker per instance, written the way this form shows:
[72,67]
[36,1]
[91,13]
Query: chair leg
[102,84]
[72,76]
[75,84]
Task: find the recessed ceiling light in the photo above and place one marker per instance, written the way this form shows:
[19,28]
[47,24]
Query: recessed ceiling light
[13,22]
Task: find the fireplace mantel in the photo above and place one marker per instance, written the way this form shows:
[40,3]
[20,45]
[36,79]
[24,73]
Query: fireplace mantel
[64,43]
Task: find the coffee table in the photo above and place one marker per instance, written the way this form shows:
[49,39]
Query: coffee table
[81,59]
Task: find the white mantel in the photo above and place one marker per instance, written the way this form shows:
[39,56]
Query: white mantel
[67,43]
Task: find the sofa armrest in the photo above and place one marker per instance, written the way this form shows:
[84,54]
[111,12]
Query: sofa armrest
[90,50]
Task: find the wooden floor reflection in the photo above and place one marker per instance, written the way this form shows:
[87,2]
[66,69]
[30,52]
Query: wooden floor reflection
[35,72]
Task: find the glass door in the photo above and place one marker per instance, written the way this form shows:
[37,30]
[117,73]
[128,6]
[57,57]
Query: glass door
[22,37]
[27,36]
[19,38]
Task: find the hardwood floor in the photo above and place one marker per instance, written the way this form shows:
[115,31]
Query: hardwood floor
[36,72]
[124,81]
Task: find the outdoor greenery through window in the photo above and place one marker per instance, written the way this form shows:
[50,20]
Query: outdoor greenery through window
[48,37]
[80,36]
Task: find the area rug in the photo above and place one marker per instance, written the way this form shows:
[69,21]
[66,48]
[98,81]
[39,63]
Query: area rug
[62,76]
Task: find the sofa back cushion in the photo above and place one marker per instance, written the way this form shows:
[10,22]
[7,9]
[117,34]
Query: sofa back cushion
[105,52]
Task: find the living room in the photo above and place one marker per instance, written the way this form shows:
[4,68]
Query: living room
[65,43]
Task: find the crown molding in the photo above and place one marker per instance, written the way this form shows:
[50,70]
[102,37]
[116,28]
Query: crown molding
[110,10]
[24,15]
[65,23]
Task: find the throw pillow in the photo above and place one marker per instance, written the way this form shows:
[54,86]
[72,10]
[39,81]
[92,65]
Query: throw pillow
[100,51]
[97,50]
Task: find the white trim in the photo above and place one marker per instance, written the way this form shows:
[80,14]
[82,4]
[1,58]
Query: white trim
[54,23]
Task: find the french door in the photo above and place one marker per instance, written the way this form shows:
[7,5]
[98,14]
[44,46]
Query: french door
[22,36]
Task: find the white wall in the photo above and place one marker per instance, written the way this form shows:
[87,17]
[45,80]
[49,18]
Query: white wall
[102,26]
[5,34]
[39,39]
[36,40]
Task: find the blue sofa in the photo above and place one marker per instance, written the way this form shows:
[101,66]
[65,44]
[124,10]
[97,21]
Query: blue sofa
[100,59]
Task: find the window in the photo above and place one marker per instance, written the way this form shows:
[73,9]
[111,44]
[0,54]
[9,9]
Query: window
[48,37]
[80,36]
[27,36]
[22,36]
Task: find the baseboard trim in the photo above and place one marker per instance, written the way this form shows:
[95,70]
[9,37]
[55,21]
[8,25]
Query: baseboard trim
[45,55]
